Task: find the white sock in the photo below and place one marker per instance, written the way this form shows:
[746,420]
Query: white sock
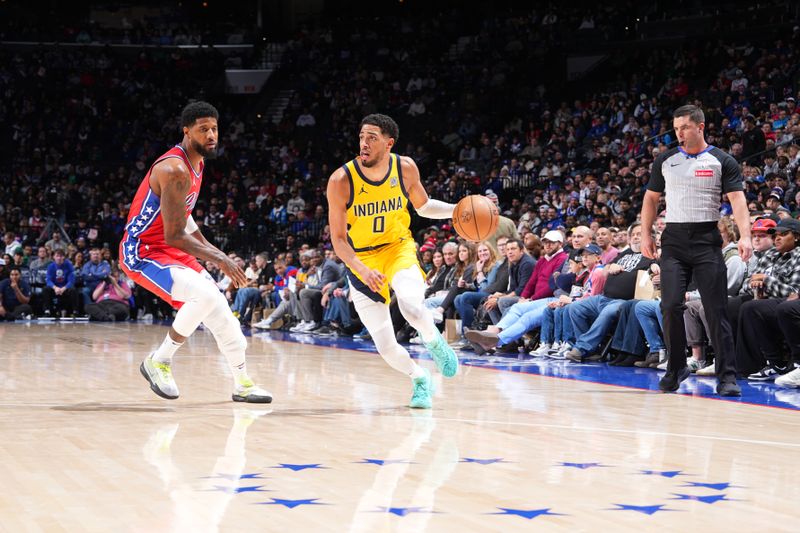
[164,353]
[238,367]
[417,372]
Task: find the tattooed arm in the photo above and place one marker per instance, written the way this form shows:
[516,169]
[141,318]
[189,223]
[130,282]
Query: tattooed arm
[170,180]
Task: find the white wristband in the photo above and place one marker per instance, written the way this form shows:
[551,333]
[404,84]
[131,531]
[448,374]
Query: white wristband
[191,225]
[436,209]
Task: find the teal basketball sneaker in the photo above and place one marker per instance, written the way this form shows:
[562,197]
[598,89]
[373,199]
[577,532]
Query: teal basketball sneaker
[423,392]
[443,355]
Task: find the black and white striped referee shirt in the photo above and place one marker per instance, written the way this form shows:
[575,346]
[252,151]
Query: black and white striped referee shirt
[694,183]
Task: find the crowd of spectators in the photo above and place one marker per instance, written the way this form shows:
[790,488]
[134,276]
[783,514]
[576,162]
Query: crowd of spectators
[476,114]
[166,24]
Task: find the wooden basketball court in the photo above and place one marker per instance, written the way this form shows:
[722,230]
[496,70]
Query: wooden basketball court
[87,446]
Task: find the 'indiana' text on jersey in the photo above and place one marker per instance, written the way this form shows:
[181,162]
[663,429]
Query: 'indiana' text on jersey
[377,212]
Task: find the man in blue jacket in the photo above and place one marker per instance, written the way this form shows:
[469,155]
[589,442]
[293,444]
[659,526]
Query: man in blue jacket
[93,272]
[60,290]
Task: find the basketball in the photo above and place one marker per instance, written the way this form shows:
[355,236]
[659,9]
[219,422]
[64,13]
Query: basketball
[476,217]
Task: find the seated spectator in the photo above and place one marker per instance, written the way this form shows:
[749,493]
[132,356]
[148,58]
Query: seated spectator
[520,269]
[323,274]
[111,299]
[83,249]
[526,314]
[440,282]
[226,283]
[789,322]
[286,292]
[12,244]
[93,272]
[477,275]
[258,276]
[461,274]
[38,277]
[533,245]
[651,322]
[15,296]
[557,335]
[603,239]
[336,318]
[758,334]
[18,261]
[496,281]
[633,344]
[56,242]
[60,294]
[426,261]
[594,317]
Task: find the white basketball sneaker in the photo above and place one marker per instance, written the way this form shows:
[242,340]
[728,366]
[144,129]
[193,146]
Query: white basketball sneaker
[542,350]
[789,380]
[159,375]
[247,391]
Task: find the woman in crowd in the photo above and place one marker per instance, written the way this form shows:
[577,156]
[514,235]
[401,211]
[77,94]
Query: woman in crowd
[463,268]
[477,275]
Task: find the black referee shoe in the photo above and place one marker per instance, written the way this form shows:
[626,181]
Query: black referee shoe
[672,381]
[729,388]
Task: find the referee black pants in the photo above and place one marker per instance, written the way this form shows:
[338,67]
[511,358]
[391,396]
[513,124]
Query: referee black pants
[695,250]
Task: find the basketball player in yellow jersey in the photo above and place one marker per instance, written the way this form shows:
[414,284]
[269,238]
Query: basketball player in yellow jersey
[368,201]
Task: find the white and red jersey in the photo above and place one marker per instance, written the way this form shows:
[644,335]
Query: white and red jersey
[144,254]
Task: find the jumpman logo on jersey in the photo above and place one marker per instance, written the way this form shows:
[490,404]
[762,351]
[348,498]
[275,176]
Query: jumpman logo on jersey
[363,190]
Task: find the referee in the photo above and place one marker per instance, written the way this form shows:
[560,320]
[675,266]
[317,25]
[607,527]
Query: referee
[694,175]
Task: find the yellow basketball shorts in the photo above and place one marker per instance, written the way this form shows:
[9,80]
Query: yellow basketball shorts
[388,260]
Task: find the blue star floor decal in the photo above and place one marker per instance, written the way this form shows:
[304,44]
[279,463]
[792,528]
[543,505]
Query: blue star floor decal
[234,477]
[381,462]
[297,468]
[291,504]
[401,511]
[644,509]
[484,461]
[715,486]
[710,499]
[239,490]
[528,513]
[668,473]
[583,466]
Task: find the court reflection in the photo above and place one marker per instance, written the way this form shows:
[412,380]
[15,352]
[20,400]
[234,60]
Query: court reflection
[406,484]
[199,503]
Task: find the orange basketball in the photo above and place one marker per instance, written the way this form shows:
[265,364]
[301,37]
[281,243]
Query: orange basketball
[476,217]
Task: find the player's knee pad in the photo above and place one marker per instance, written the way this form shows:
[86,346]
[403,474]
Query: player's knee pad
[198,296]
[383,337]
[225,328]
[391,352]
[189,286]
[410,290]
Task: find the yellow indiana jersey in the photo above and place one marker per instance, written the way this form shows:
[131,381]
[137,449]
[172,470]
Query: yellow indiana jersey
[377,212]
